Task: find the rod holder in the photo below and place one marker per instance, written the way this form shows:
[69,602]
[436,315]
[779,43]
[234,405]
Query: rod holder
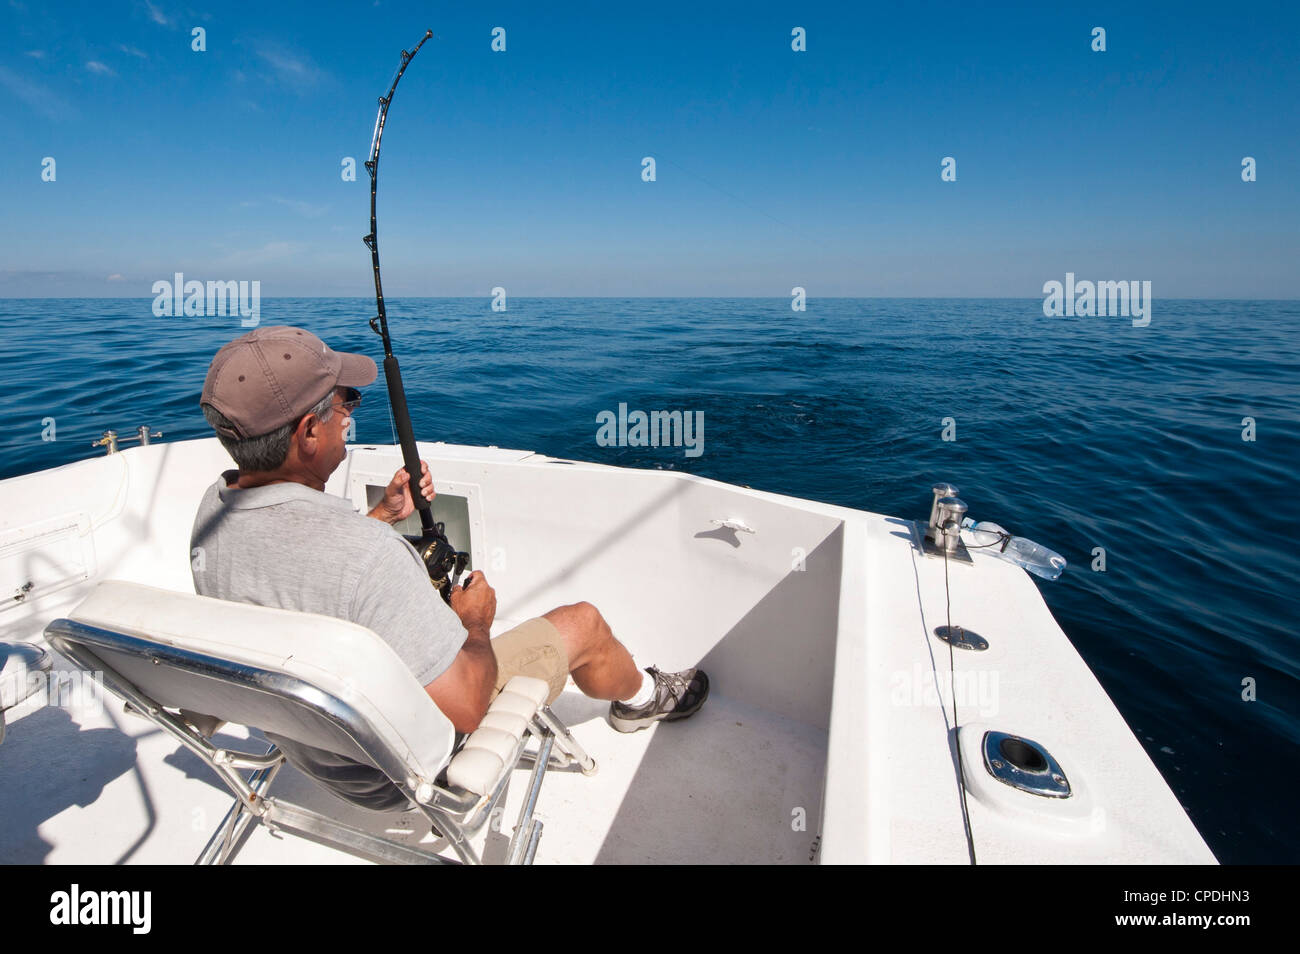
[949,518]
[940,490]
[111,439]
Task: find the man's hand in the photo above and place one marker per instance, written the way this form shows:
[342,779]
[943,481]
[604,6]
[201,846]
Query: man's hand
[397,504]
[465,689]
[476,605]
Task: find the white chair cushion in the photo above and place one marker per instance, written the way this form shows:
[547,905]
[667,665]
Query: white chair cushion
[505,721]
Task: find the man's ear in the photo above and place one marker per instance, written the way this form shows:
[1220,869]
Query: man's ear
[308,429]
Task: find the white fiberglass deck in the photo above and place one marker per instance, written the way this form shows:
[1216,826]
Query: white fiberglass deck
[138,798]
[815,628]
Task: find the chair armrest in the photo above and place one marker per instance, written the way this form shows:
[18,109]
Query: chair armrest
[492,749]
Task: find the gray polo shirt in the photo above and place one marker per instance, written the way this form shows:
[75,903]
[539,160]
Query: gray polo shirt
[292,547]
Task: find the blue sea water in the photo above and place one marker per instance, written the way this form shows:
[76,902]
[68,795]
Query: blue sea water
[1078,433]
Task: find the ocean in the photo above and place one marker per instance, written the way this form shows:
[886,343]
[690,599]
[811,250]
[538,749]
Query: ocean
[1170,447]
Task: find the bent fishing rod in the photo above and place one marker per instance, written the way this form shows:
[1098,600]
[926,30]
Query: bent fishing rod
[444,563]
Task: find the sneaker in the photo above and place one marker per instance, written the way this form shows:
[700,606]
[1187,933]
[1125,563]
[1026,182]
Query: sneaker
[677,695]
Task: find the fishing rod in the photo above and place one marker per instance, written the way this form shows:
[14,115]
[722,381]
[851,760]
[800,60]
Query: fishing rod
[444,563]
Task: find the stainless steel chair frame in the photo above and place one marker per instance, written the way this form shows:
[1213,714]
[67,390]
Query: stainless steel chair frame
[454,813]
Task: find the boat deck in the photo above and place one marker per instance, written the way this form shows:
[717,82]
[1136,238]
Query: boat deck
[830,691]
[109,788]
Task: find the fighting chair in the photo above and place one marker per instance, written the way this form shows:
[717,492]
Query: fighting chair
[190,664]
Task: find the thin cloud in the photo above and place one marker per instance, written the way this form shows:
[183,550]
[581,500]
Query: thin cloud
[156,15]
[268,253]
[293,69]
[116,277]
[281,248]
[302,208]
[132,51]
[35,95]
[27,283]
[36,54]
[97,67]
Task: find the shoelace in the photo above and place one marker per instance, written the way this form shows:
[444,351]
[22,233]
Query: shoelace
[674,682]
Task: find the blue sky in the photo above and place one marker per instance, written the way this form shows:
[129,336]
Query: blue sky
[774,168]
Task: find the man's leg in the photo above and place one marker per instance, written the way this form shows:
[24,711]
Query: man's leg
[601,665]
[576,640]
[603,668]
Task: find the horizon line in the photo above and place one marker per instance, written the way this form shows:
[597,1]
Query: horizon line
[629,297]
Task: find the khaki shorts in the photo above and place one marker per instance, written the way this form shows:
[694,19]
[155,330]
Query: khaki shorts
[533,648]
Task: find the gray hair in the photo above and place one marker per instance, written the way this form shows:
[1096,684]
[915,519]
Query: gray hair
[265,452]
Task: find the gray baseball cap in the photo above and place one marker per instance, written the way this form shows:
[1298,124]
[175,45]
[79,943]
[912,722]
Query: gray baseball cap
[273,376]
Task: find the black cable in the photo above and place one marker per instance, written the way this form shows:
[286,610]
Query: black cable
[952,687]
[1003,539]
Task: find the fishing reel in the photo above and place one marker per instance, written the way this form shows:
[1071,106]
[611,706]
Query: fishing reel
[443,561]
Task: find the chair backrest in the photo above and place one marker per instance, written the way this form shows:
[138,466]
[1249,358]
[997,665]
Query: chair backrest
[317,680]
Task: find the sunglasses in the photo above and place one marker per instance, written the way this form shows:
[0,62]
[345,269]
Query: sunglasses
[347,408]
[352,403]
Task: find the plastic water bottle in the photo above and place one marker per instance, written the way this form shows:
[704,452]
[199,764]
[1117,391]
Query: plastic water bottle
[986,535]
[1034,557]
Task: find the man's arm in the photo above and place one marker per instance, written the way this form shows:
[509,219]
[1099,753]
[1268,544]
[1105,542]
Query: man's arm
[464,690]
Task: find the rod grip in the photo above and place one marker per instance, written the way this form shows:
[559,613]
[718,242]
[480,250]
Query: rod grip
[406,437]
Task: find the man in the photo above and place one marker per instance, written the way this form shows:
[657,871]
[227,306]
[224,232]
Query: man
[280,401]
